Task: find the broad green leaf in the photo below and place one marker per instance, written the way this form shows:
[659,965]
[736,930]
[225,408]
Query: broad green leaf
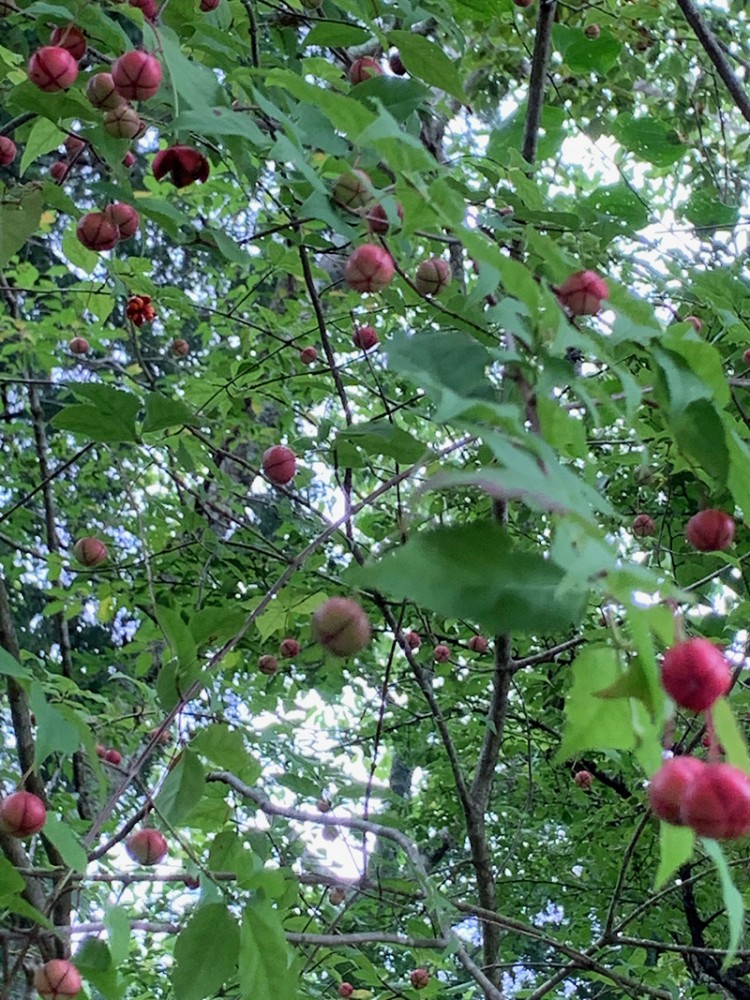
[474,571]
[66,842]
[109,416]
[19,219]
[210,930]
[182,789]
[195,84]
[377,439]
[164,411]
[44,136]
[428,61]
[180,638]
[730,735]
[54,733]
[226,749]
[733,902]
[264,955]
[593,722]
[649,138]
[10,667]
[676,844]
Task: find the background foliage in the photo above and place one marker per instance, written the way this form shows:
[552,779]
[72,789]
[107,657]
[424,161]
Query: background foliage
[478,473]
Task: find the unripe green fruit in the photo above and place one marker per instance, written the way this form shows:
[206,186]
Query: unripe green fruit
[352,189]
[122,122]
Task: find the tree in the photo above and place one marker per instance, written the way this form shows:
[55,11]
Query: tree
[436,313]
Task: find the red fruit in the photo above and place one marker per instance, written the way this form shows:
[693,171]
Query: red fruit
[341,626]
[52,68]
[396,64]
[59,171]
[288,648]
[279,464]
[584,779]
[147,846]
[268,665]
[413,640]
[323,805]
[71,39]
[377,218]
[149,8]
[101,751]
[746,356]
[365,337]
[96,232]
[128,160]
[124,217]
[592,31]
[695,673]
[363,69]
[523,3]
[22,814]
[717,802]
[137,75]
[57,979]
[697,323]
[180,347]
[78,345]
[369,269]
[433,276]
[113,757]
[666,790]
[74,145]
[478,644]
[90,551]
[419,978]
[582,293]
[441,653]
[337,895]
[207,5]
[101,92]
[709,744]
[140,310]
[710,530]
[7,151]
[183,164]
[643,526]
[346,989]
[308,355]
[352,189]
[123,122]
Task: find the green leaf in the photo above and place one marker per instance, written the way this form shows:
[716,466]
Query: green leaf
[733,902]
[65,840]
[110,416]
[44,136]
[222,121]
[264,955]
[10,667]
[94,961]
[179,636]
[195,84]
[649,138]
[730,735]
[19,219]
[164,411]
[225,748]
[182,790]
[11,883]
[428,61]
[336,33]
[54,733]
[473,571]
[593,722]
[210,930]
[377,438]
[676,845]
[593,55]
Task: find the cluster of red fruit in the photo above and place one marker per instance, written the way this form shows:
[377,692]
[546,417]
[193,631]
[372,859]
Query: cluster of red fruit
[269,664]
[111,756]
[419,978]
[442,653]
[709,530]
[139,309]
[101,231]
[711,798]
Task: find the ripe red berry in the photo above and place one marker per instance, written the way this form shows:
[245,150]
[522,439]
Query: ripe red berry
[96,232]
[582,293]
[7,151]
[365,337]
[113,757]
[57,980]
[124,217]
[123,122]
[101,92]
[128,160]
[746,356]
[22,814]
[90,551]
[78,345]
[478,644]
[419,978]
[352,189]
[363,69]
[288,648]
[149,8]
[207,5]
[433,276]
[397,65]
[52,68]
[147,846]
[74,145]
[695,673]
[345,989]
[584,779]
[268,665]
[308,355]
[59,171]
[666,790]
[413,640]
[717,802]
[377,218]
[341,626]
[441,653]
[71,38]
[643,526]
[137,75]
[101,752]
[183,164]
[180,347]
[369,269]
[710,530]
[279,464]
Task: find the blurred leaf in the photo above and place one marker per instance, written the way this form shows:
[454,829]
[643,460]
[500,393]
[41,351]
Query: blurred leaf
[210,930]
